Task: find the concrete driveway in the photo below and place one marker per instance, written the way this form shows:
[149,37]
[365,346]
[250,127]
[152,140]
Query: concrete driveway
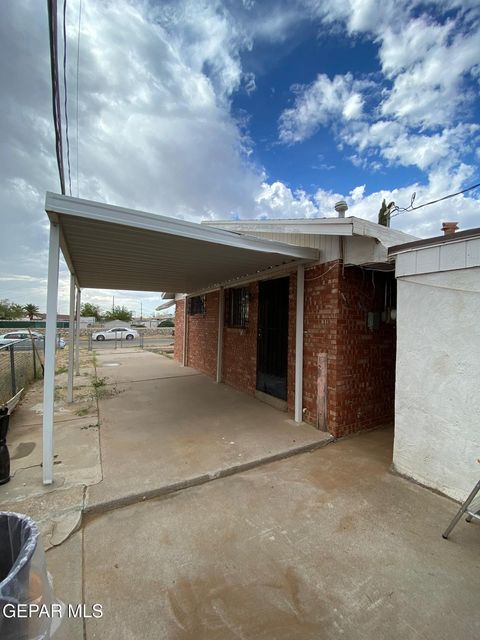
[164,427]
[320,546]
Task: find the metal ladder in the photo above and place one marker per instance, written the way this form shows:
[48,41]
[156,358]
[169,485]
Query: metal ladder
[473,513]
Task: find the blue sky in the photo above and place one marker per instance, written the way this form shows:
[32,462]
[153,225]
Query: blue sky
[317,162]
[211,109]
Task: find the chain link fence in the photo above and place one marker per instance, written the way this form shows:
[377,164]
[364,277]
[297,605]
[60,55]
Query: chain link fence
[20,363]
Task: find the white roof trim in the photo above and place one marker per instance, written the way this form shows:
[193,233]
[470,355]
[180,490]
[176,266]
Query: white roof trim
[109,247]
[350,226]
[165,305]
[91,210]
[320,226]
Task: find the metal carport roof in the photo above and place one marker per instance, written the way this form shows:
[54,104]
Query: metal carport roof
[110,247]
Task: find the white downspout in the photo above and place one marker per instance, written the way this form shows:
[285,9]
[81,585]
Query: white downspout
[50,340]
[71,339]
[221,307]
[299,344]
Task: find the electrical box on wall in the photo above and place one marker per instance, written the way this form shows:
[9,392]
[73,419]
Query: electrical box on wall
[389,315]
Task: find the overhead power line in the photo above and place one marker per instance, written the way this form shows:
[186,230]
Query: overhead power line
[57,117]
[65,91]
[78,67]
[398,210]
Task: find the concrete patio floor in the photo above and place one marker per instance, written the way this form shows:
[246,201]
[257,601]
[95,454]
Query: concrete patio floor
[165,427]
[140,426]
[320,546]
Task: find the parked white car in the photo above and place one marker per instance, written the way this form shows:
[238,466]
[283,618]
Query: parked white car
[120,333]
[14,336]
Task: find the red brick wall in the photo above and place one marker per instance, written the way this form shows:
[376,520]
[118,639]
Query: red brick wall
[319,335]
[202,337]
[360,362]
[240,349]
[365,384]
[178,344]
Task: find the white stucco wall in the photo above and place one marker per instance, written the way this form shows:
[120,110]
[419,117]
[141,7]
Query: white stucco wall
[437,413]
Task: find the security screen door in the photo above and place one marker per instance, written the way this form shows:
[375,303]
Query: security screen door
[272,342]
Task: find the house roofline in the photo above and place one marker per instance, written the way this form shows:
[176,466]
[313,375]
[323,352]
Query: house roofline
[436,240]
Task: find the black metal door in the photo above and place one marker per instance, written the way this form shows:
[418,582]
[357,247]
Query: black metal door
[272,343]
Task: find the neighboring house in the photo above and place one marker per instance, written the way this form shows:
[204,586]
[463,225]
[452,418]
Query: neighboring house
[349,332]
[87,321]
[116,323]
[61,317]
[148,323]
[437,413]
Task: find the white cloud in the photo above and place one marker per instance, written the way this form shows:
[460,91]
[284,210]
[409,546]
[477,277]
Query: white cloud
[318,104]
[276,200]
[155,127]
[429,86]
[396,144]
[358,16]
[249,82]
[417,111]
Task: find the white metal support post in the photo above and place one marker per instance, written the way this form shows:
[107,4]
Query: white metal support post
[185,330]
[221,314]
[299,344]
[71,341]
[50,344]
[77,332]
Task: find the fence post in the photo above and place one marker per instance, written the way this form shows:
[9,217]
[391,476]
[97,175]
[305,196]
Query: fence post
[12,370]
[34,362]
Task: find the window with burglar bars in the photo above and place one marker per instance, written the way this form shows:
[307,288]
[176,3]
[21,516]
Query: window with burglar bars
[236,307]
[196,305]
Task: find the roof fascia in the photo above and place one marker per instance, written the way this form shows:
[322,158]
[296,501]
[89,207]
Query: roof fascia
[458,236]
[313,226]
[57,205]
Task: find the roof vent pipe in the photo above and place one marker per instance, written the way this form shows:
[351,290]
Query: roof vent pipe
[340,208]
[449,227]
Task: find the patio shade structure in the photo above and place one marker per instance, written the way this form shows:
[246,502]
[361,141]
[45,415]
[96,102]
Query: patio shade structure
[108,247]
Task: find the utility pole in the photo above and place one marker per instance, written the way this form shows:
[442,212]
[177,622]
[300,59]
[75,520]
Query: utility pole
[141,311]
[113,304]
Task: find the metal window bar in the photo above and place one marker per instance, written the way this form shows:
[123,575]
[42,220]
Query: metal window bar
[237,307]
[196,305]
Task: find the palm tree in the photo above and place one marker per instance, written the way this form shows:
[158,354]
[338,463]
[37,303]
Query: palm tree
[31,310]
[385,213]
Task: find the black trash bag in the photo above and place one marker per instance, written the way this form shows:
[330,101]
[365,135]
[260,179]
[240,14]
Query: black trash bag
[28,608]
[4,455]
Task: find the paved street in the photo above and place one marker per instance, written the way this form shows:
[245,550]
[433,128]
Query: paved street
[148,341]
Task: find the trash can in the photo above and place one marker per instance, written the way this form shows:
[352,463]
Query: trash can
[28,608]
